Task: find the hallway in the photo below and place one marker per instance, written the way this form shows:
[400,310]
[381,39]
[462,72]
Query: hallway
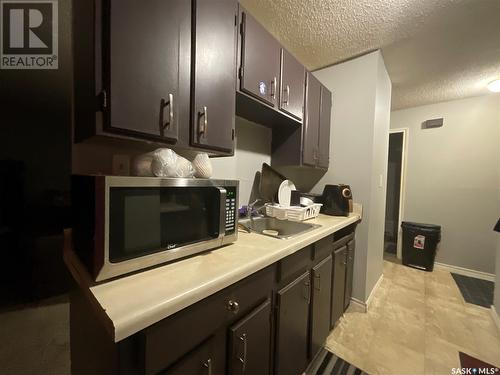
[417,323]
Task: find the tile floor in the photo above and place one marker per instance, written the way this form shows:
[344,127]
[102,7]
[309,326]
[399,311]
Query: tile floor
[416,324]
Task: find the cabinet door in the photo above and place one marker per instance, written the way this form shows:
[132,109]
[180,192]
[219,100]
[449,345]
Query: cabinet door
[260,61]
[311,124]
[250,342]
[142,60]
[321,304]
[349,273]
[214,73]
[204,360]
[293,326]
[292,85]
[338,286]
[324,127]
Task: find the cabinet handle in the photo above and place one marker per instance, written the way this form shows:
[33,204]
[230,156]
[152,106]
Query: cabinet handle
[208,365]
[243,360]
[273,88]
[318,277]
[307,284]
[287,92]
[203,125]
[170,104]
[233,306]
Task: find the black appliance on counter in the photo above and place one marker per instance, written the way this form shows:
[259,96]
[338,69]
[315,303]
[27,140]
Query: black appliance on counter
[125,224]
[337,200]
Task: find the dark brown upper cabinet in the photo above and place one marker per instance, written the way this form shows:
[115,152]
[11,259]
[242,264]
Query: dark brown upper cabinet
[310,144]
[160,71]
[260,61]
[325,113]
[292,85]
[214,71]
[312,122]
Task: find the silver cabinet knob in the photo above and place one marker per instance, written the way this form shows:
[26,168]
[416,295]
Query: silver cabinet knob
[233,306]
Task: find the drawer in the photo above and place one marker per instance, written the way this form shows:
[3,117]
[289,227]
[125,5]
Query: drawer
[340,242]
[250,292]
[323,248]
[294,264]
[168,340]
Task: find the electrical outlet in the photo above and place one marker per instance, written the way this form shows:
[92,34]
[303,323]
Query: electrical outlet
[121,165]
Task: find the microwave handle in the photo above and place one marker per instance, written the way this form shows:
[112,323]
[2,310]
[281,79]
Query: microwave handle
[222,213]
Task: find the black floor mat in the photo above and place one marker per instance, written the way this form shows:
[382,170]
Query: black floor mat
[476,291]
[326,363]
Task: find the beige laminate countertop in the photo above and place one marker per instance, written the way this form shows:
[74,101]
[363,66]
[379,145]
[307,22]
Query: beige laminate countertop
[135,302]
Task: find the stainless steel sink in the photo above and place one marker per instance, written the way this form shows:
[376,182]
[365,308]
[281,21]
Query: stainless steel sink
[272,227]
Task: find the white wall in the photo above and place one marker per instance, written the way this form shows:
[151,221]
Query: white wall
[253,147]
[452,177]
[358,154]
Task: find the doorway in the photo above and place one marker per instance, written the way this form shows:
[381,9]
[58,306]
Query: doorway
[395,193]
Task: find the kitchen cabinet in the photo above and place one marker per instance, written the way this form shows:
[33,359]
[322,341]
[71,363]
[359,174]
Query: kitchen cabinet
[214,71]
[321,304]
[292,326]
[316,146]
[338,284]
[310,145]
[325,113]
[349,272]
[312,121]
[271,322]
[203,360]
[250,342]
[292,85]
[260,61]
[156,71]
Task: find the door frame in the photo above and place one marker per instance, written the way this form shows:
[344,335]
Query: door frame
[402,186]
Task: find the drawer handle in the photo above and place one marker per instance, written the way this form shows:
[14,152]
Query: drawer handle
[318,277]
[208,365]
[287,92]
[307,284]
[244,359]
[273,88]
[233,306]
[203,125]
[170,104]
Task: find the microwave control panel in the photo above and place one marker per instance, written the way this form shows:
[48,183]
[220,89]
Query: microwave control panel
[230,209]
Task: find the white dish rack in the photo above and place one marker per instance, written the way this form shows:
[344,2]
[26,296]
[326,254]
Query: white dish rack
[293,213]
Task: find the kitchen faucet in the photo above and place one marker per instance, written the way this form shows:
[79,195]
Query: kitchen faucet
[251,208]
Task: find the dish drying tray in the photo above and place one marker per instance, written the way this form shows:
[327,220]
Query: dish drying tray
[293,213]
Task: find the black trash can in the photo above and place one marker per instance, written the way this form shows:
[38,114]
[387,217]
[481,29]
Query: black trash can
[419,244]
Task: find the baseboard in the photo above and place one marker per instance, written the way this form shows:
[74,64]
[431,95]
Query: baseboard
[364,306]
[466,271]
[370,297]
[496,317]
[358,305]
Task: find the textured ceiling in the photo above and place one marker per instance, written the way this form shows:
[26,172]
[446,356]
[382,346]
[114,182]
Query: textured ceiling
[434,50]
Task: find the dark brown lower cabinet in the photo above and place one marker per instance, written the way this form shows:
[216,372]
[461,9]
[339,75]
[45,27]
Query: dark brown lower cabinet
[293,326]
[338,284]
[204,360]
[250,343]
[349,273]
[321,300]
[272,322]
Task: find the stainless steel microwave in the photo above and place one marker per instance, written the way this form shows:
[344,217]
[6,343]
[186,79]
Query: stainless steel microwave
[125,224]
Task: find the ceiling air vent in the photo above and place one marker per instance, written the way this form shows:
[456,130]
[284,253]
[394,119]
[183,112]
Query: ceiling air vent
[434,123]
